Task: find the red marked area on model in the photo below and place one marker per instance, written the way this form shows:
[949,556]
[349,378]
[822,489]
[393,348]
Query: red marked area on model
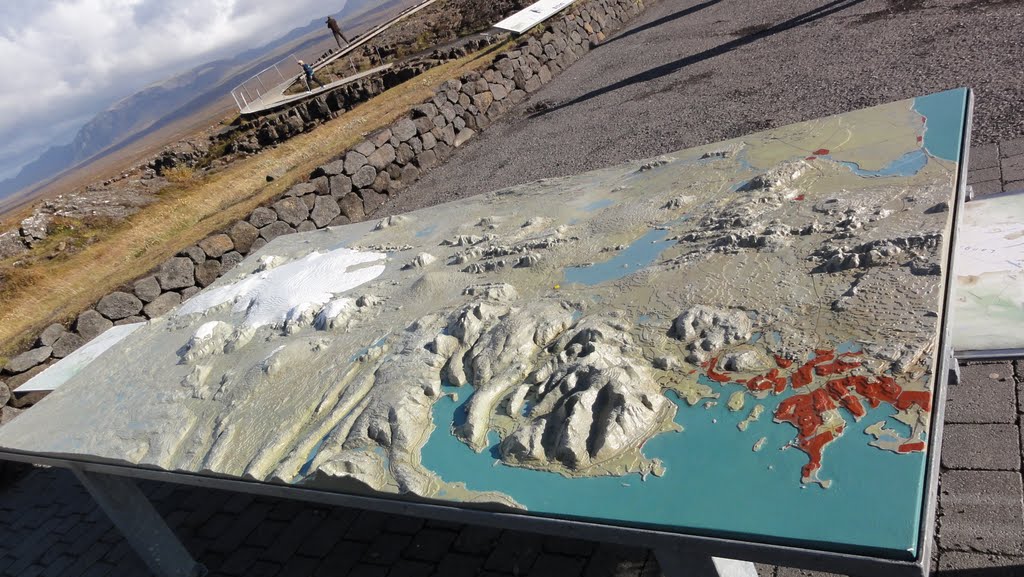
[770,381]
[805,413]
[783,362]
[911,447]
[837,366]
[809,412]
[805,374]
[838,390]
[821,152]
[799,197]
[815,448]
[715,375]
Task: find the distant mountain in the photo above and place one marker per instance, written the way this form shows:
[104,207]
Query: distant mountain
[163,103]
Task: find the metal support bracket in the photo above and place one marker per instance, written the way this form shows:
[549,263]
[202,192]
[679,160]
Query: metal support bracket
[141,524]
[676,563]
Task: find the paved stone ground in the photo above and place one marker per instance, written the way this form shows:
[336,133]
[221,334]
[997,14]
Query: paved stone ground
[49,525]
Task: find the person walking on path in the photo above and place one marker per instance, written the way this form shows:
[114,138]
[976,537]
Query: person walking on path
[310,78]
[336,30]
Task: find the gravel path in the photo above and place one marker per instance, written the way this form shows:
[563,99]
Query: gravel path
[691,73]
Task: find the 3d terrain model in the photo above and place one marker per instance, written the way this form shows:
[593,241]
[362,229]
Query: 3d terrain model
[697,341]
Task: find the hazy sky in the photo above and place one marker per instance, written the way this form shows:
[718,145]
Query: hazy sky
[62,61]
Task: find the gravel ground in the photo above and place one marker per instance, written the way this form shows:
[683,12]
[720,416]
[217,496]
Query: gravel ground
[691,73]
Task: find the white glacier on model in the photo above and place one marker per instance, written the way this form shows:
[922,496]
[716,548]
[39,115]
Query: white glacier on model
[277,292]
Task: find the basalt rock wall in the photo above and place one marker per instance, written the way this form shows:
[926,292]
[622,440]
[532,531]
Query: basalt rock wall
[348,189]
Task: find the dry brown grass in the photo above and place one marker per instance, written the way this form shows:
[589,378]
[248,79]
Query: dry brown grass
[180,175]
[55,289]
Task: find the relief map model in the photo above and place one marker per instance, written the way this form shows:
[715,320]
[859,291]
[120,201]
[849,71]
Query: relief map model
[739,339]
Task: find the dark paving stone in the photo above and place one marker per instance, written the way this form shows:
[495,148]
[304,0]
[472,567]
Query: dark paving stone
[515,553]
[216,526]
[984,156]
[989,447]
[430,545]
[617,561]
[651,567]
[32,571]
[341,559]
[983,174]
[286,509]
[294,535]
[558,565]
[237,503]
[986,372]
[386,548]
[366,526]
[981,511]
[60,566]
[244,525]
[979,398]
[1021,431]
[1008,148]
[1013,168]
[964,564]
[987,187]
[407,568]
[298,566]
[263,569]
[476,540]
[86,560]
[266,533]
[239,561]
[403,524]
[459,565]
[368,571]
[99,570]
[321,542]
[567,546]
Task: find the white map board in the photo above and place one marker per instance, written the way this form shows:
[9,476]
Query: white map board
[989,285]
[532,15]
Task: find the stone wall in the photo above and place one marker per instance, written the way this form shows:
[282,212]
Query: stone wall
[279,125]
[348,189]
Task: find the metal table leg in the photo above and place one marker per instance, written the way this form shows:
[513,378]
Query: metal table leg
[681,564]
[140,524]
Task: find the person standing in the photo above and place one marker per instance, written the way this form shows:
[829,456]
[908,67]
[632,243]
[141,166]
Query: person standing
[310,77]
[336,30]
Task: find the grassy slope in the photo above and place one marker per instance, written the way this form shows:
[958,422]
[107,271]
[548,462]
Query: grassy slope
[58,289]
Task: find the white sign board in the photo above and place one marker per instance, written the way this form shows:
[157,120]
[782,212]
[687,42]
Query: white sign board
[62,371]
[989,285]
[532,15]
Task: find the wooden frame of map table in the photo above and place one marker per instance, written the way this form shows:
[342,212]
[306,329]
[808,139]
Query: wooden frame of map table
[319,476]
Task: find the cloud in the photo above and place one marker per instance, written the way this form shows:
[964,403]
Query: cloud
[62,59]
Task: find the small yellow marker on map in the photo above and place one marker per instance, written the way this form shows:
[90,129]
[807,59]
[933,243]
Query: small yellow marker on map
[558,286]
